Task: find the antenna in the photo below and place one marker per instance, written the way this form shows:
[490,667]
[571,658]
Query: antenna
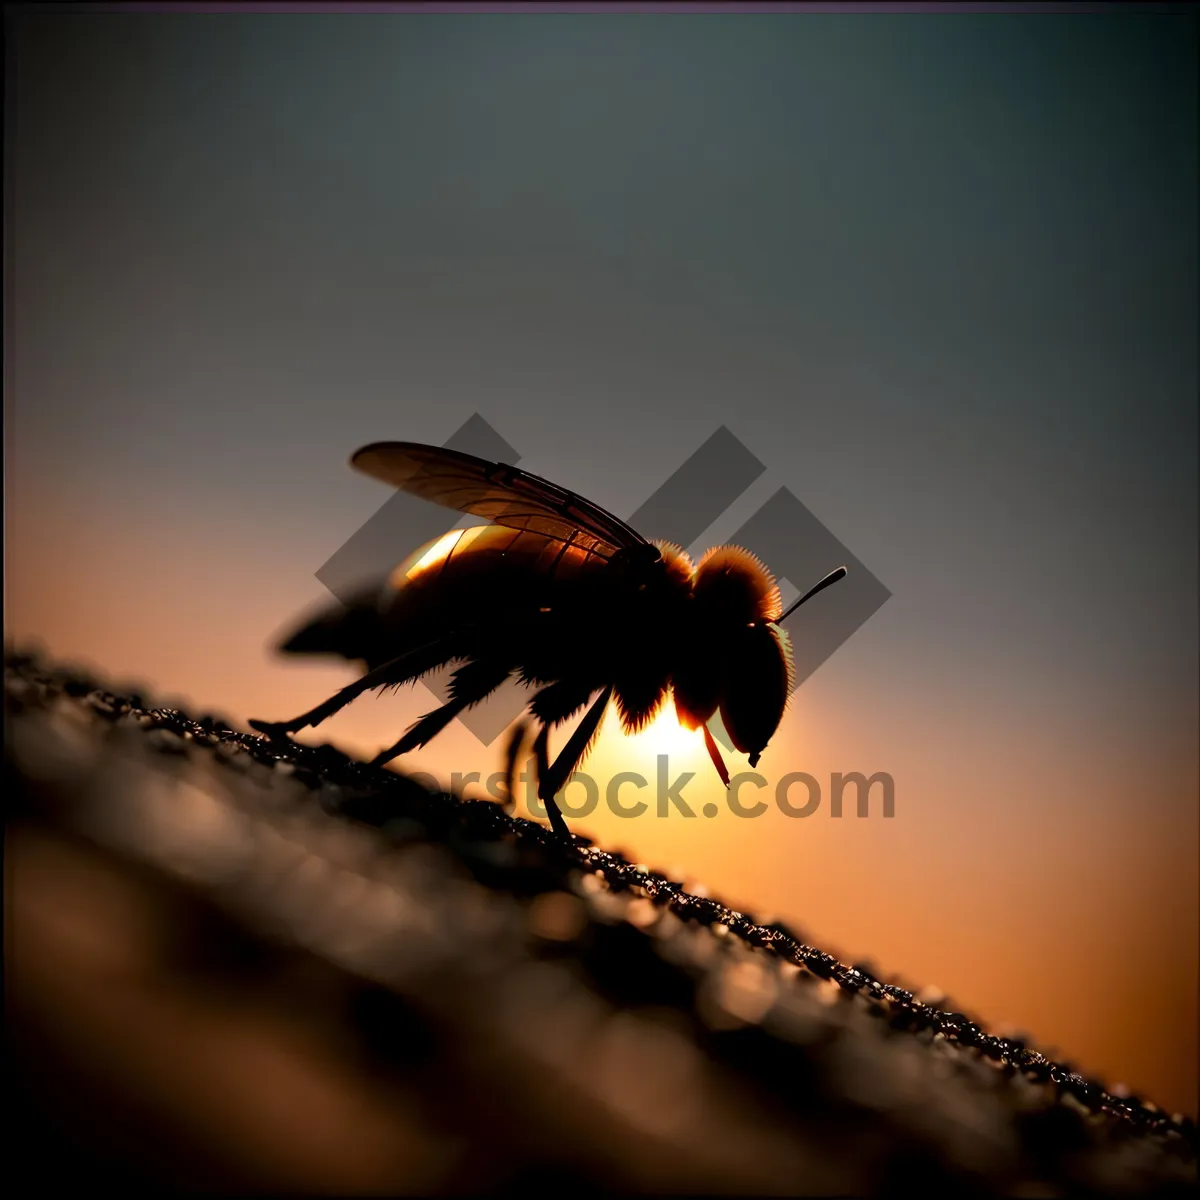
[832,577]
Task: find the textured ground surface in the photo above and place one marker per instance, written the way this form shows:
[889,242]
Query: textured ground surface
[233,964]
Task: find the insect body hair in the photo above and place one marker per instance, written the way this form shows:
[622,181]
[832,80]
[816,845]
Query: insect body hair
[680,569]
[643,679]
[732,586]
[737,660]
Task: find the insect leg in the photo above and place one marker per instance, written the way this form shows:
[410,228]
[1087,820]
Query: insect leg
[541,748]
[551,781]
[715,754]
[469,685]
[558,701]
[551,706]
[512,756]
[405,666]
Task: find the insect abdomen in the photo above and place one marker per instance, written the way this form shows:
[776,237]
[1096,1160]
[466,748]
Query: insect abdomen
[487,566]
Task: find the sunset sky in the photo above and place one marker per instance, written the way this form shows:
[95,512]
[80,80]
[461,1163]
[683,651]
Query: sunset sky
[938,273]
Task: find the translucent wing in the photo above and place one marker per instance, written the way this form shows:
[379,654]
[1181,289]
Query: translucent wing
[501,494]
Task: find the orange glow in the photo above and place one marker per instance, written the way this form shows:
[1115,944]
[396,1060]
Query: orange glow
[667,736]
[427,556]
[983,867]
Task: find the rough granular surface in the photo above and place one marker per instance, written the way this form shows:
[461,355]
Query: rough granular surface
[491,1008]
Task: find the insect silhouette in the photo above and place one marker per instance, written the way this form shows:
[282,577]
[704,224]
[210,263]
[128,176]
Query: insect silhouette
[569,598]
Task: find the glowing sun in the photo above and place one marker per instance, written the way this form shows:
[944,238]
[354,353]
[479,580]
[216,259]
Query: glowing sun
[665,735]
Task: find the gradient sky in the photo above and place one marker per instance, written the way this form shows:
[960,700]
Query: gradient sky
[939,273]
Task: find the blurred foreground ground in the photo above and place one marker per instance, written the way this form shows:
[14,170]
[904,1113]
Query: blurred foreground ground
[236,966]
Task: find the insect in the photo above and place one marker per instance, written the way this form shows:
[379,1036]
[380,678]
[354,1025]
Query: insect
[570,599]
